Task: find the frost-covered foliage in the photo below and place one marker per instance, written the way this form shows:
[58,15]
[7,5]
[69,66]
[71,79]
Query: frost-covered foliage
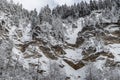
[83,8]
[15,10]
[55,72]
[58,30]
[13,70]
[45,15]
[93,73]
[42,31]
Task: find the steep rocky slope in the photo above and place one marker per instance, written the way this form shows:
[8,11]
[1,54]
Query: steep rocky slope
[41,51]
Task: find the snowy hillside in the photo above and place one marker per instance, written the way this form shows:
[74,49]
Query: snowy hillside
[60,46]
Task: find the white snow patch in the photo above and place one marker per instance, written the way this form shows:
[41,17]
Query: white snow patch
[99,64]
[115,49]
[26,33]
[74,54]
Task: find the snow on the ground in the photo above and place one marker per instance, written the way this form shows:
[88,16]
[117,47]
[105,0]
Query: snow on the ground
[100,64]
[72,33]
[115,49]
[12,32]
[26,33]
[18,55]
[74,74]
[74,54]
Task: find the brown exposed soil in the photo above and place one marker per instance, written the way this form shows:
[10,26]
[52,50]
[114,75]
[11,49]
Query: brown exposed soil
[47,53]
[111,40]
[24,46]
[77,66]
[35,55]
[58,50]
[93,57]
[88,28]
[116,33]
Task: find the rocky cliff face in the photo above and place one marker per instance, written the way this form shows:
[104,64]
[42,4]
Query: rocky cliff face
[64,50]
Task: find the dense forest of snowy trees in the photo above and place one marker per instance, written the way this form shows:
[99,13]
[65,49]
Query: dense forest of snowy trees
[46,14]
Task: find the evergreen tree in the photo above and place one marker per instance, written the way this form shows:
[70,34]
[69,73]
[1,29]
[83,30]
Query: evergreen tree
[45,15]
[34,18]
[100,4]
